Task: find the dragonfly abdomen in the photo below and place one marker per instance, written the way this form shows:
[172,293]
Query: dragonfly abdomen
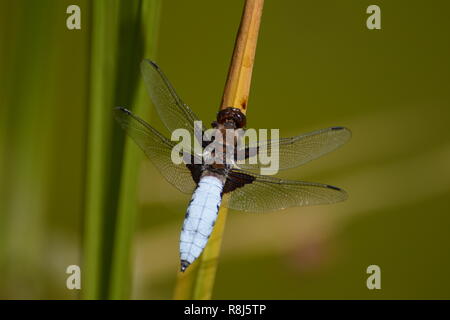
[200,218]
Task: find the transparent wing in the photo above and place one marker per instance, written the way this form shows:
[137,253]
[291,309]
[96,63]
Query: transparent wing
[157,148]
[298,150]
[256,193]
[171,110]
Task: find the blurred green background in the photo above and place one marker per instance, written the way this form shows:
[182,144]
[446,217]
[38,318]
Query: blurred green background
[317,65]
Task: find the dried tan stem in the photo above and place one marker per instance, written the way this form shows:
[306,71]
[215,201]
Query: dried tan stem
[237,87]
[235,95]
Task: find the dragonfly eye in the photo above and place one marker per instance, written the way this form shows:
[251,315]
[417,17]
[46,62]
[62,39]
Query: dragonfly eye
[233,115]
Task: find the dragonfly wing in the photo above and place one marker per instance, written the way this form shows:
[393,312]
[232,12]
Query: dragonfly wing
[295,151]
[171,110]
[158,149]
[256,193]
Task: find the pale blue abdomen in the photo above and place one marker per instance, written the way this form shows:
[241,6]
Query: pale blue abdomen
[200,218]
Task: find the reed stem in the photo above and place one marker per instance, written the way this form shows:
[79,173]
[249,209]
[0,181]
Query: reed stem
[236,93]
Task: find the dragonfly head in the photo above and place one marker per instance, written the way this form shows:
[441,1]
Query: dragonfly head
[231,118]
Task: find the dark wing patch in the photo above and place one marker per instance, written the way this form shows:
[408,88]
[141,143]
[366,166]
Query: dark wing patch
[196,171]
[236,180]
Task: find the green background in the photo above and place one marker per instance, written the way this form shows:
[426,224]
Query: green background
[317,65]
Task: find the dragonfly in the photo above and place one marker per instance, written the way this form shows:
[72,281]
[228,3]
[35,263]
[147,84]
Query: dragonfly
[237,187]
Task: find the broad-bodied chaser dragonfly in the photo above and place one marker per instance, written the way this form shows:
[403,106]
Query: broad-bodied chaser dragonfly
[245,189]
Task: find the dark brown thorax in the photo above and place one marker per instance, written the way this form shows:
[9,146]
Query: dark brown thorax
[230,119]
